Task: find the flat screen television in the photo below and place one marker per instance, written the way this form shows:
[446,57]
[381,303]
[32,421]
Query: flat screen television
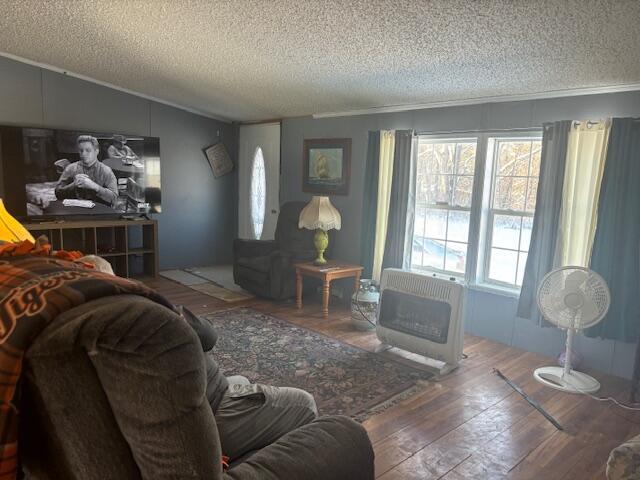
[49,173]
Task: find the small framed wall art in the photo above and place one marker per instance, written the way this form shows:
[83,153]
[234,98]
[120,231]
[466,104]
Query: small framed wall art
[219,159]
[326,166]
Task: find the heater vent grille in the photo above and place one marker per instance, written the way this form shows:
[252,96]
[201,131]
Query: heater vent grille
[423,315]
[420,285]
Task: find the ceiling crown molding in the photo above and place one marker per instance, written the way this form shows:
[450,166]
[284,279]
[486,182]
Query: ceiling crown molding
[574,92]
[79,76]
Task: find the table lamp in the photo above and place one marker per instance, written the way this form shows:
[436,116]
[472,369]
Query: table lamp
[320,215]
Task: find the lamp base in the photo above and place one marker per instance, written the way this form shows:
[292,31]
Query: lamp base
[321,242]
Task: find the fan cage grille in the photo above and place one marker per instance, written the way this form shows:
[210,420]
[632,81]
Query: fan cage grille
[553,307]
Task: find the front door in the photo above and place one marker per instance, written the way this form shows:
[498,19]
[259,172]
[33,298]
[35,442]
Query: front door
[259,182]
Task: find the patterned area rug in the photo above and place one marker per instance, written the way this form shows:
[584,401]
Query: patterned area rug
[343,379]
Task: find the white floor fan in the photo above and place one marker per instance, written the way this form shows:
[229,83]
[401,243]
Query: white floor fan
[573,298]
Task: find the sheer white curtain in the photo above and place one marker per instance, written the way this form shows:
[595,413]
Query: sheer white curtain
[586,153]
[387,147]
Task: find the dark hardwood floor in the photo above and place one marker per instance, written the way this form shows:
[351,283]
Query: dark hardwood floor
[468,424]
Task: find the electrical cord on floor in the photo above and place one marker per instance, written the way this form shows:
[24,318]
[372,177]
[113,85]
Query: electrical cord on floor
[602,399]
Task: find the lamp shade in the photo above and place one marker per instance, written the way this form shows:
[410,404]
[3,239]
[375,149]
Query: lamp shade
[10,229]
[320,214]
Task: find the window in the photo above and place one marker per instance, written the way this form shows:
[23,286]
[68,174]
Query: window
[515,166]
[444,187]
[482,236]
[258,193]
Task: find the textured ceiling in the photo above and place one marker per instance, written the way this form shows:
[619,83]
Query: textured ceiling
[258,59]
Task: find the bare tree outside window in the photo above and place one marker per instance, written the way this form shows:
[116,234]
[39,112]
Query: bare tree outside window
[516,166]
[480,236]
[444,186]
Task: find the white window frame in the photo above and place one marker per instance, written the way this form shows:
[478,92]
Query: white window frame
[262,182]
[488,213]
[481,216]
[452,138]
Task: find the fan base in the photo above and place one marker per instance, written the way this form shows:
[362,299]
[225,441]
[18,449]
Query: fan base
[573,382]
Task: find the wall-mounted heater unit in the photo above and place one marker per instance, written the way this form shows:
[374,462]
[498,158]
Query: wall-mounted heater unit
[423,315]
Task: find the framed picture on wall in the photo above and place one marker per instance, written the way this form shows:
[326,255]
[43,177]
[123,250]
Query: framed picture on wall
[326,166]
[219,159]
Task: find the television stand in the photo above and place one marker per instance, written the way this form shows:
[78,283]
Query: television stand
[130,246]
[134,217]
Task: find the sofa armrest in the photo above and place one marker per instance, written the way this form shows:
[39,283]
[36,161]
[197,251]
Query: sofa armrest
[282,272]
[304,256]
[280,258]
[253,248]
[285,259]
[332,447]
[624,460]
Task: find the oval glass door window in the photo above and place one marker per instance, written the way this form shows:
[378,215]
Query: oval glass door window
[258,193]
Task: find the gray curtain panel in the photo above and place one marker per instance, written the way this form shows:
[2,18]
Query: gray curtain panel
[370,204]
[616,246]
[546,219]
[411,204]
[401,188]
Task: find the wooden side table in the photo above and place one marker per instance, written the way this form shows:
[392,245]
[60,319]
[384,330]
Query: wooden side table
[331,271]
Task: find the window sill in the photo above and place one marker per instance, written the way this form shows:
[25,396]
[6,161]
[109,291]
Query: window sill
[439,275]
[481,287]
[496,290]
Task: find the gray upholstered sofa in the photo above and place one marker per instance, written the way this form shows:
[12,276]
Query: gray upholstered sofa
[624,461]
[116,389]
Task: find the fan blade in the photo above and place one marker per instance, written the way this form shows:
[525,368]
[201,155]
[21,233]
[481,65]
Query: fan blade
[552,307]
[574,280]
[589,311]
[557,303]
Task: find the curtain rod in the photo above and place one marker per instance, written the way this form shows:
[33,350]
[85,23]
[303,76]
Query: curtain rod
[496,130]
[591,123]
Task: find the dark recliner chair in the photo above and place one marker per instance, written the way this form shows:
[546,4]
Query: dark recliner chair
[265,267]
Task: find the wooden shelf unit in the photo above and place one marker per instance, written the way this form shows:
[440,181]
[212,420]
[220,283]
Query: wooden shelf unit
[131,246]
